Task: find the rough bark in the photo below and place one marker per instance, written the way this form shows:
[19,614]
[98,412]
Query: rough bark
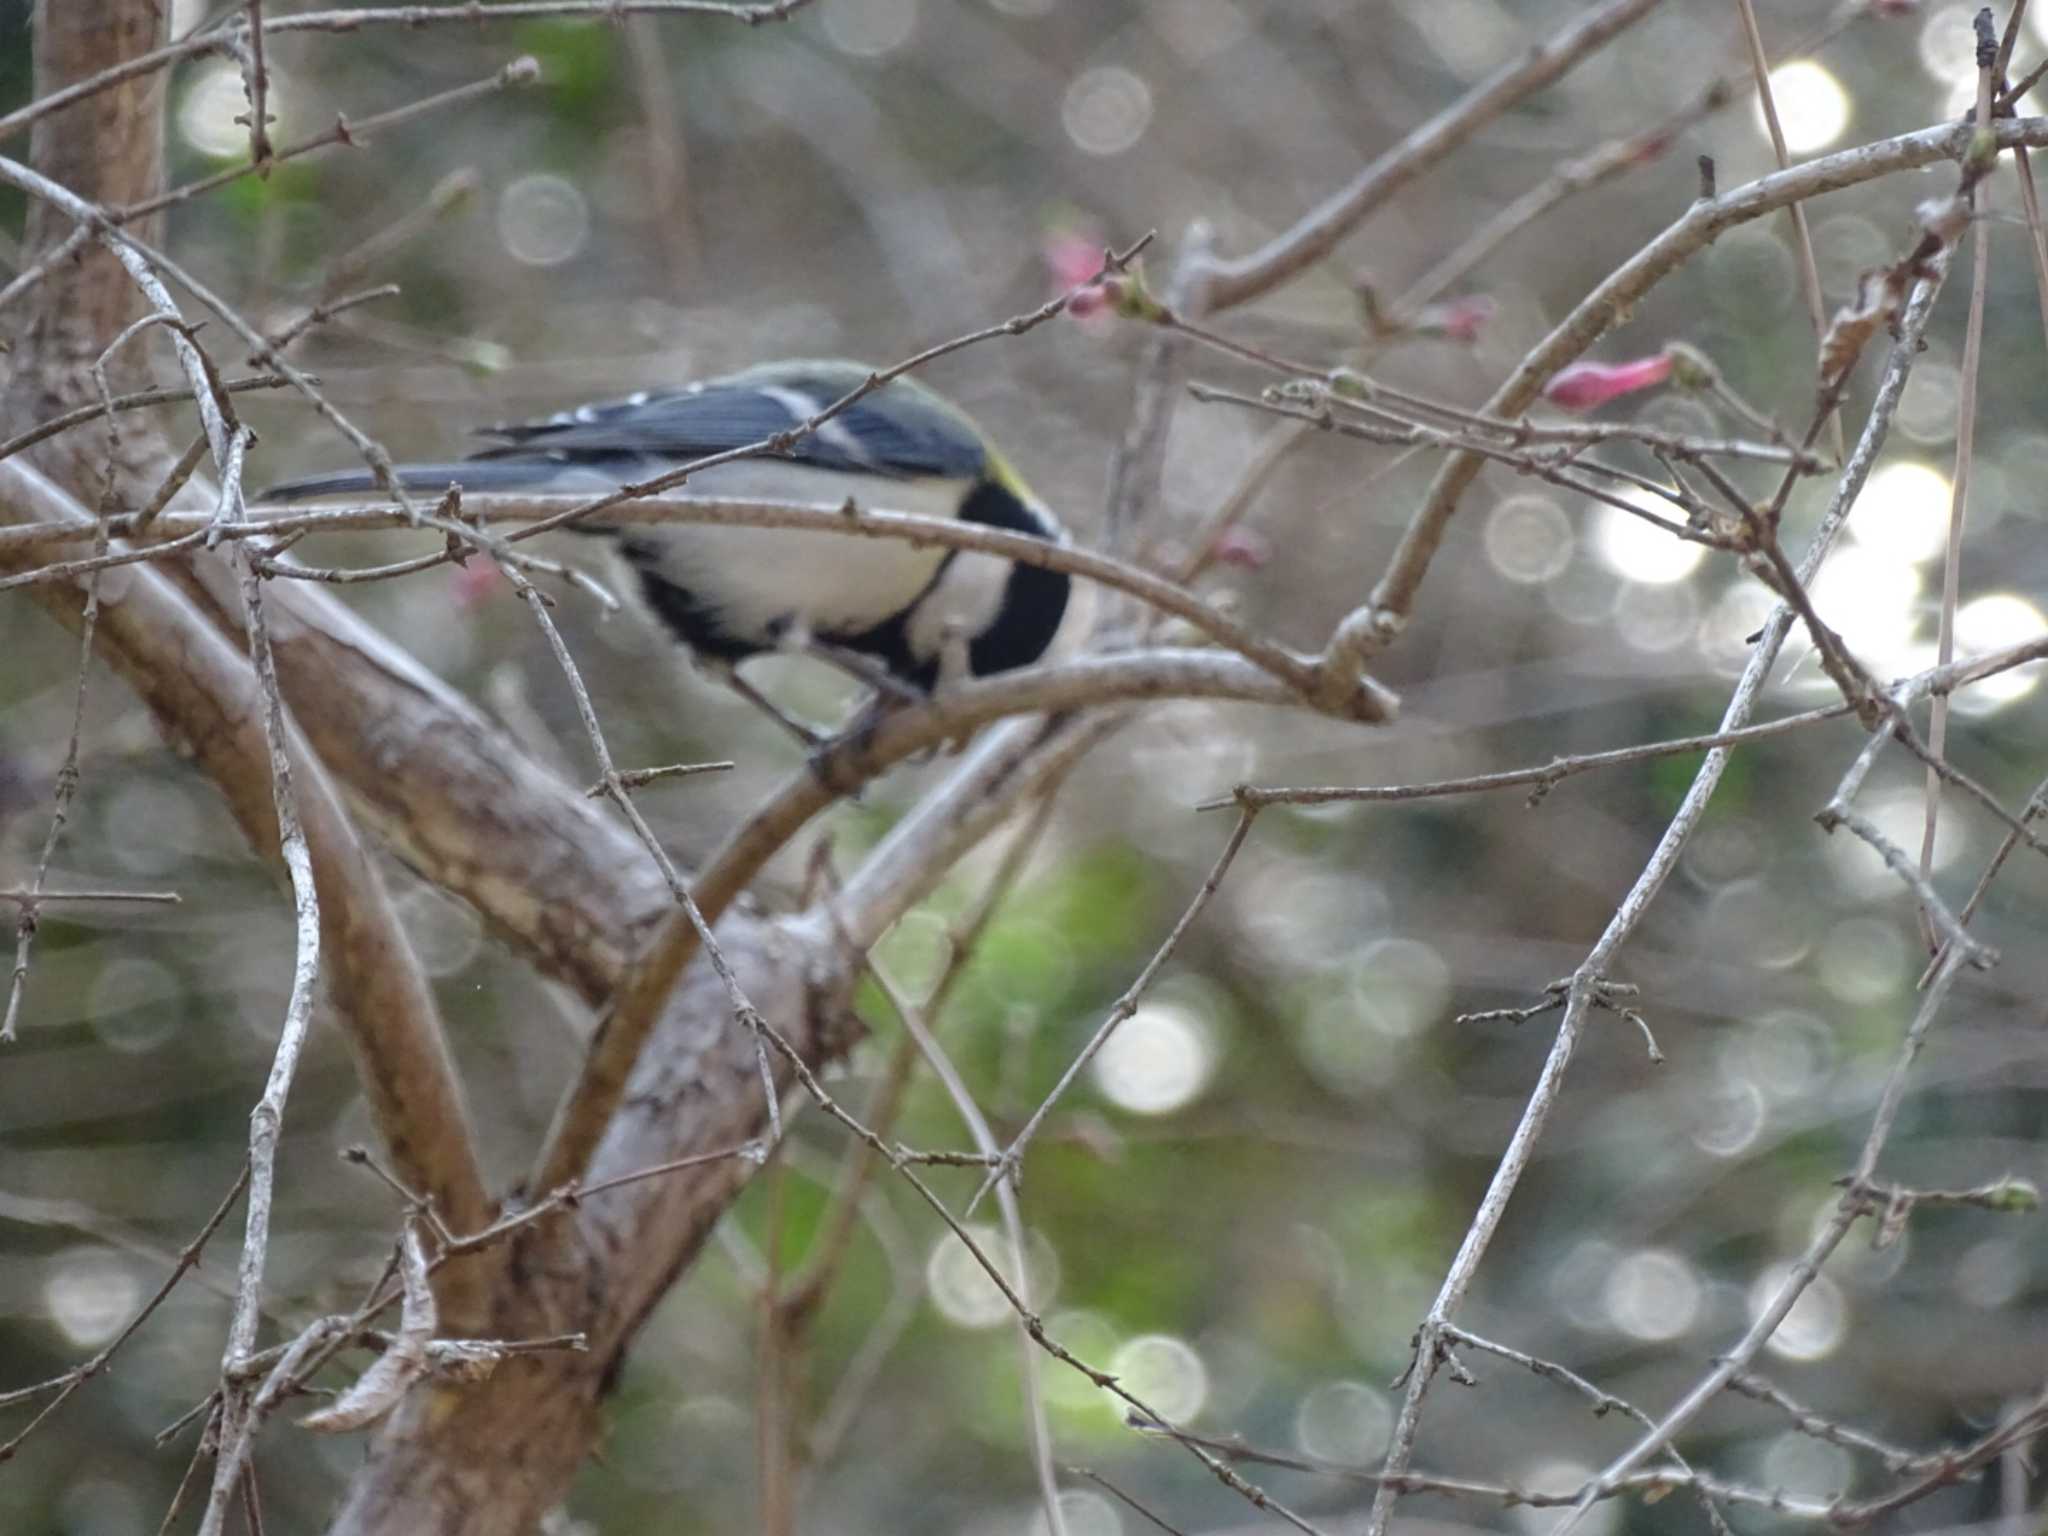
[109,148]
[204,696]
[452,794]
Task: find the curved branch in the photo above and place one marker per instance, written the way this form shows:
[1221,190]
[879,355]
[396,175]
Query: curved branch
[889,884]
[203,693]
[1229,283]
[844,521]
[1615,299]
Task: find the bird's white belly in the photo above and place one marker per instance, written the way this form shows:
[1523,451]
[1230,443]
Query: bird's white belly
[755,579]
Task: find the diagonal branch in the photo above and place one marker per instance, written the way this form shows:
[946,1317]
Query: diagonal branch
[1230,283]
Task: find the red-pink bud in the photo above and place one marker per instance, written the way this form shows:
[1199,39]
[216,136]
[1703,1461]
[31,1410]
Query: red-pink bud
[474,580]
[1459,319]
[1072,257]
[1584,385]
[1242,547]
[1095,299]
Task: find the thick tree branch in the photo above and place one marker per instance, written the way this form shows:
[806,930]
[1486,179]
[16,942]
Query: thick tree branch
[204,694]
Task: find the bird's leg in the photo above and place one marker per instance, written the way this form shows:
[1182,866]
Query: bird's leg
[953,658]
[863,669]
[810,736]
[851,740]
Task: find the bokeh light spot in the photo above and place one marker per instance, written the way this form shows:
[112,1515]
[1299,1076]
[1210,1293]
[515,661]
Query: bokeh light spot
[134,1003]
[1863,960]
[1652,1294]
[1927,407]
[1340,1050]
[1158,1060]
[1870,599]
[1198,30]
[1769,926]
[1632,547]
[1346,1422]
[961,1290]
[1727,1120]
[1107,110]
[90,1293]
[1815,1326]
[1991,1273]
[1992,623]
[1091,1337]
[1902,512]
[1557,1478]
[543,220]
[151,825]
[1806,1468]
[1164,1373]
[1787,1055]
[1470,36]
[1402,986]
[868,29]
[1528,538]
[1656,619]
[1948,46]
[207,113]
[1813,109]
[1900,813]
[1737,613]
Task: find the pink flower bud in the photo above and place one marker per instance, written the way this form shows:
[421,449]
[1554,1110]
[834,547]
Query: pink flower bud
[474,580]
[1459,319]
[1072,257]
[1096,298]
[1584,385]
[1242,547]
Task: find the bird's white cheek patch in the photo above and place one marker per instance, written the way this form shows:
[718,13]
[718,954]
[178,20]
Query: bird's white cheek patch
[968,595]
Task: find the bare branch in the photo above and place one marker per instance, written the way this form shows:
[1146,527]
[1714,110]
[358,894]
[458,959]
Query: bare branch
[1229,283]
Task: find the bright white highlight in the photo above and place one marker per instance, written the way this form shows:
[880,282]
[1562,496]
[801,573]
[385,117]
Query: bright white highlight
[1159,1059]
[1903,512]
[206,115]
[1813,109]
[1815,1326]
[1652,1294]
[1992,623]
[1165,1374]
[1631,547]
[1107,110]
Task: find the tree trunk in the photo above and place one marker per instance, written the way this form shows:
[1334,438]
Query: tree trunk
[492,1456]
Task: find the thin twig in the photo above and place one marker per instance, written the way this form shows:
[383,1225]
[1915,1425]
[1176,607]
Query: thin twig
[228,38]
[1544,1096]
[1122,1009]
[1316,234]
[1965,457]
[566,1155]
[78,1376]
[1800,1275]
[1543,777]
[135,401]
[1802,236]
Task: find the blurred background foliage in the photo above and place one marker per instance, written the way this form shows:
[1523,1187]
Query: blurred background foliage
[1245,1206]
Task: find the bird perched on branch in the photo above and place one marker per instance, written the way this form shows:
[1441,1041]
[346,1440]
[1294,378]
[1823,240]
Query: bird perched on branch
[898,614]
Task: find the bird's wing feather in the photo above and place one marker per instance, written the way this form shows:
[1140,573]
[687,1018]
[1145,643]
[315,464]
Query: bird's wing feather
[915,438]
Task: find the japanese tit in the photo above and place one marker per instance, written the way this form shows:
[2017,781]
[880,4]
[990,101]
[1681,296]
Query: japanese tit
[731,592]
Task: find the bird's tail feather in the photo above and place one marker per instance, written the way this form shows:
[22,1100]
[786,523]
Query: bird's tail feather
[431,479]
